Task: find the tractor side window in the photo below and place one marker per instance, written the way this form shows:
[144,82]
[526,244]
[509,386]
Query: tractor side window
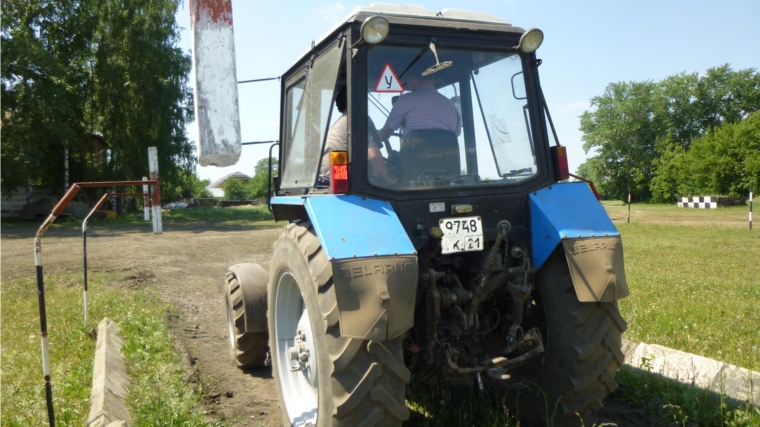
[293,105]
[312,113]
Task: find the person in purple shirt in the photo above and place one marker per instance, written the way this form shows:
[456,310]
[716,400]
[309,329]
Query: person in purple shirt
[422,108]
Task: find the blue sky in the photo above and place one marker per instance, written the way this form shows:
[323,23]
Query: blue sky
[587,45]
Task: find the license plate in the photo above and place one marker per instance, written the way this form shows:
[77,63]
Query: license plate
[461,234]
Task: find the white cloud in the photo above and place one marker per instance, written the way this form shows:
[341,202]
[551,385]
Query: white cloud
[332,13]
[574,106]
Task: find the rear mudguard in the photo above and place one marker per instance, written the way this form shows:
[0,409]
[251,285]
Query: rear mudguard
[569,213]
[253,281]
[373,261]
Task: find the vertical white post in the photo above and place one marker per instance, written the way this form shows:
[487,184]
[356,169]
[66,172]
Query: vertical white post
[153,168]
[146,201]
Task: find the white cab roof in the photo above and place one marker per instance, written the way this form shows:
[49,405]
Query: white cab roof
[414,11]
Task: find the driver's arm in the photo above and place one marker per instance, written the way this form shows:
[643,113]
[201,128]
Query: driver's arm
[378,163]
[385,133]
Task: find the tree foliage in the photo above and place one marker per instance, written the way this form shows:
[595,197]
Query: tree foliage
[188,186]
[724,161]
[238,189]
[261,172]
[643,132]
[75,72]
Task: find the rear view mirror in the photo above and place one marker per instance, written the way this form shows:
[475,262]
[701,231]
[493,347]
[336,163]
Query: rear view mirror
[518,86]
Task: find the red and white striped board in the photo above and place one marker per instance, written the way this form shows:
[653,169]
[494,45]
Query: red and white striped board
[216,96]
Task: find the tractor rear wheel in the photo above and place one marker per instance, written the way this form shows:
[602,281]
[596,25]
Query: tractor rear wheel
[247,349]
[324,379]
[583,351]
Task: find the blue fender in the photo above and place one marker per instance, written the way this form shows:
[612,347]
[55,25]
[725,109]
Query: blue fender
[374,264]
[565,211]
[350,226]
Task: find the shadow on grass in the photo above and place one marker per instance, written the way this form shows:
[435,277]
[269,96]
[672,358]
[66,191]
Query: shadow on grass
[643,399]
[681,404]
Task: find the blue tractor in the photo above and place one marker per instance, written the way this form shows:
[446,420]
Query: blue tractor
[425,244]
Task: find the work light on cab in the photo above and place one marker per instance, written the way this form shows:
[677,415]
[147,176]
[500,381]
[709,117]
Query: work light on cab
[375,29]
[531,40]
[339,172]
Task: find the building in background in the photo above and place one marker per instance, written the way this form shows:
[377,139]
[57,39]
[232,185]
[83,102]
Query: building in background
[217,187]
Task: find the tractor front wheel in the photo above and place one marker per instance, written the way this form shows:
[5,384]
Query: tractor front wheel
[324,379]
[247,349]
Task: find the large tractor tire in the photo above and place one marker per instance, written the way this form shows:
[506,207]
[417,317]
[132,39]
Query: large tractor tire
[323,379]
[247,349]
[583,351]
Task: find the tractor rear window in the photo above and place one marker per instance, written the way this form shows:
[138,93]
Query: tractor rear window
[448,117]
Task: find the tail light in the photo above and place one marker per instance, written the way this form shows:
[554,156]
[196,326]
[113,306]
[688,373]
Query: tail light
[339,172]
[559,161]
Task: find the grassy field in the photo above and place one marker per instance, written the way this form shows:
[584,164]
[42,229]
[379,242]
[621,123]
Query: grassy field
[695,281]
[694,276]
[158,396]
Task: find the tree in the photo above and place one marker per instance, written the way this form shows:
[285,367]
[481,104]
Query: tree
[44,87]
[623,130]
[142,94]
[726,159]
[190,185]
[593,170]
[238,189]
[640,132]
[261,172]
[74,70]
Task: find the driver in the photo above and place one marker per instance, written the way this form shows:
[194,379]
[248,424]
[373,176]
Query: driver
[422,108]
[337,140]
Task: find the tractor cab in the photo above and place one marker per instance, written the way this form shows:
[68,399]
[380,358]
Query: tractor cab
[432,104]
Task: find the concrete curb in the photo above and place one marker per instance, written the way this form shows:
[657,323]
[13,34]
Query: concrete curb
[739,384]
[109,380]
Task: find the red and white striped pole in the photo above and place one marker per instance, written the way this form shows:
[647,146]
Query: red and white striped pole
[216,95]
[146,201]
[750,206]
[156,199]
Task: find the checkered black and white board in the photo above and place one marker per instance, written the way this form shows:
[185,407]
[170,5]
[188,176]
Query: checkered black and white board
[704,202]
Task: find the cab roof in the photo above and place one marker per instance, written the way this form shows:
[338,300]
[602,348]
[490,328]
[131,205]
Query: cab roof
[409,13]
[414,11]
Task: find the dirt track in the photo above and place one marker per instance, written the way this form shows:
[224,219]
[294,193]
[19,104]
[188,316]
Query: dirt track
[186,264]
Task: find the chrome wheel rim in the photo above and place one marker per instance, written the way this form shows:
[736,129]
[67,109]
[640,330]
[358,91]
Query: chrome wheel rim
[295,353]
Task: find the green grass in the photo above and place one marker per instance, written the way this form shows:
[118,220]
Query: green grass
[158,396]
[694,276]
[694,288]
[449,405]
